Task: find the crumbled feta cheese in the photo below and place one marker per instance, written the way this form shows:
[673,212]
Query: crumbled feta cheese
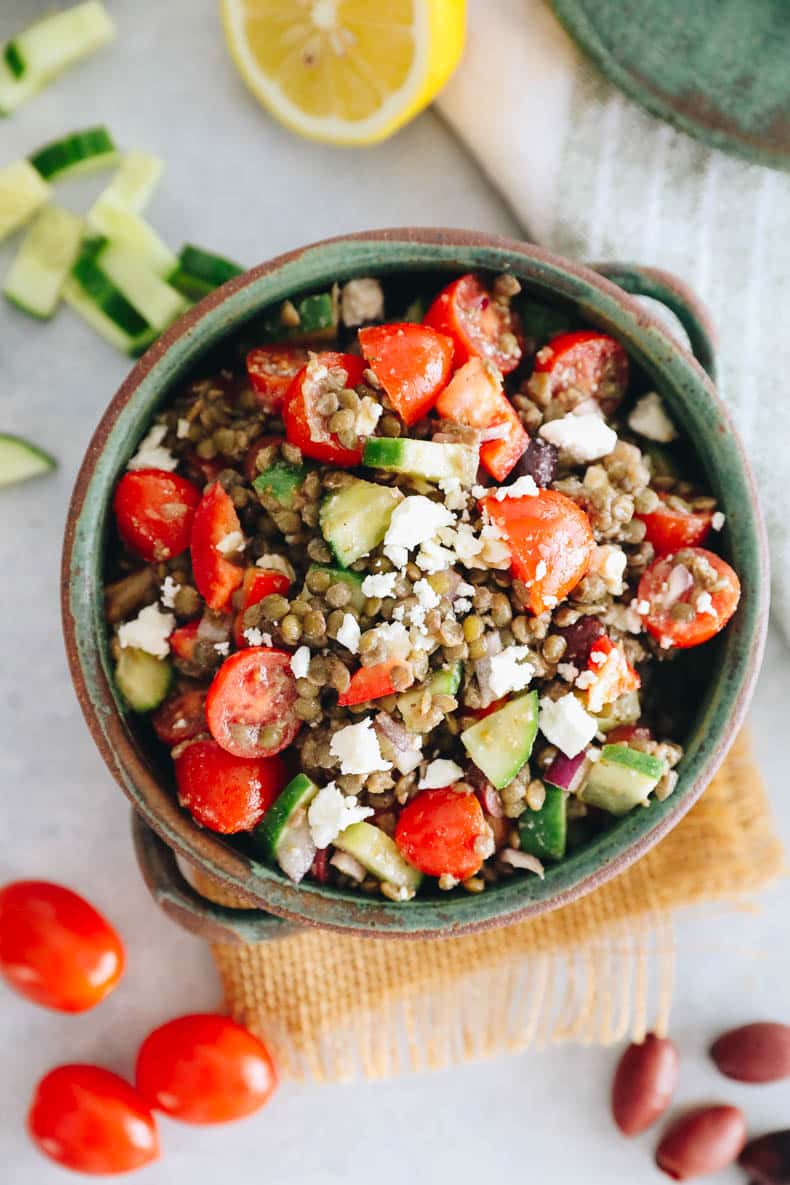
[565,723]
[704,603]
[463,541]
[432,557]
[465,589]
[440,773]
[168,592]
[331,812]
[495,432]
[398,613]
[360,301]
[368,415]
[479,492]
[398,556]
[394,637]
[624,617]
[718,520]
[276,563]
[381,584]
[586,679]
[522,487]
[649,419]
[256,637]
[231,543]
[643,608]
[609,561]
[666,643]
[300,662]
[582,438]
[182,429]
[462,605]
[541,569]
[349,633]
[455,498]
[415,520]
[152,454]
[222,648]
[567,671]
[149,631]
[507,671]
[426,595]
[357,749]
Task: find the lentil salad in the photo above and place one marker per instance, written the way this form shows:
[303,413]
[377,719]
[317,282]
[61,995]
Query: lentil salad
[407,588]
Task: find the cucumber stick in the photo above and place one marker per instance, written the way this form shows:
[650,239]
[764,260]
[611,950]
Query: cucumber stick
[200,272]
[93,295]
[107,217]
[21,460]
[284,835]
[429,459]
[379,855]
[48,47]
[22,192]
[47,254]
[79,152]
[143,680]
[134,181]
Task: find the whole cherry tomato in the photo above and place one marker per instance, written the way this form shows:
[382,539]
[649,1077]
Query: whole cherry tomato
[154,510]
[205,1069]
[226,793]
[90,1120]
[438,832]
[55,948]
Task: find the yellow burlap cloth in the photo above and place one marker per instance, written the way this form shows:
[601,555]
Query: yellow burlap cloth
[335,1007]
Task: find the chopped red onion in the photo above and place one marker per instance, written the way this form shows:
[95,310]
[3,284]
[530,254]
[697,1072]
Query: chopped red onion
[523,860]
[567,772]
[348,865]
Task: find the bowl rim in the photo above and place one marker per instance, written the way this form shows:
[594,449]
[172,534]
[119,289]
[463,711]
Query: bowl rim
[223,311]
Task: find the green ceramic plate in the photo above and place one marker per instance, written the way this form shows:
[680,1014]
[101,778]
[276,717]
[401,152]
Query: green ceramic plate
[717,69]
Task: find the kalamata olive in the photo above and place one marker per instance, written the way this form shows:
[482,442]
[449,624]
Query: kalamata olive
[767,1159]
[758,1052]
[579,639]
[644,1082]
[538,461]
[701,1142]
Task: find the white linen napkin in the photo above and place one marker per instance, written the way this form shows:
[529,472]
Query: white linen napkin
[593,176]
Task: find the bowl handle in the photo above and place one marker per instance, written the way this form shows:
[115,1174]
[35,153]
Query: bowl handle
[677,296]
[173,892]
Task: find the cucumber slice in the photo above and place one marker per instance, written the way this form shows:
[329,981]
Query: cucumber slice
[626,709]
[621,779]
[21,460]
[143,680]
[22,192]
[501,743]
[43,261]
[318,319]
[199,272]
[379,855]
[48,47]
[284,835]
[352,579]
[422,458]
[155,301]
[544,833]
[445,682]
[107,311]
[355,519]
[79,152]
[134,182]
[281,481]
[125,228]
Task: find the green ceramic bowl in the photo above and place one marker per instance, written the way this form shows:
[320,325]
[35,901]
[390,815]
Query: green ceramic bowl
[162,829]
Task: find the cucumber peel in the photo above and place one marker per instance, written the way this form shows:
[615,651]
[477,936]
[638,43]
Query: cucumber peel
[199,272]
[281,481]
[20,460]
[142,679]
[429,459]
[544,833]
[621,779]
[79,152]
[283,836]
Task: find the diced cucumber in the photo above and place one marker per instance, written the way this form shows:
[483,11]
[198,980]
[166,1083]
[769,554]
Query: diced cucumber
[22,192]
[134,181]
[622,778]
[501,743]
[48,47]
[444,682]
[626,709]
[200,272]
[143,680]
[379,855]
[318,319]
[284,835]
[89,292]
[79,152]
[355,519]
[544,833]
[155,301]
[21,460]
[352,579]
[125,228]
[423,458]
[43,261]
[281,481]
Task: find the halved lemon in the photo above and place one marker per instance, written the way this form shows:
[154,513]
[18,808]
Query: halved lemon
[345,71]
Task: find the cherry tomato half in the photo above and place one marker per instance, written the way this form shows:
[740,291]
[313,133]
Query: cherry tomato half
[474,396]
[90,1120]
[182,640]
[154,510]
[655,587]
[226,793]
[258,583]
[304,425]
[181,717]
[215,576]
[272,369]
[480,327]
[588,361]
[412,363]
[438,831]
[55,948]
[669,529]
[551,543]
[205,1069]
[252,696]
